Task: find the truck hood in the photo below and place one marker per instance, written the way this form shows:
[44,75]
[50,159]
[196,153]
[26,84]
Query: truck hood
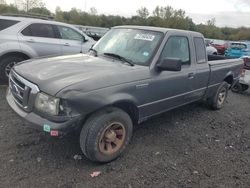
[52,75]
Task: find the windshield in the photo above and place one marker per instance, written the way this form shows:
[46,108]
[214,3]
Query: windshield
[136,45]
[218,42]
[238,46]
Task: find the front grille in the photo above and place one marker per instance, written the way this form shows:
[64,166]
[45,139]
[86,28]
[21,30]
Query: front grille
[23,91]
[18,90]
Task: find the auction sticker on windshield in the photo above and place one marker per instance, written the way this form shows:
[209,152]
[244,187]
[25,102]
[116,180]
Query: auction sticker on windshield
[147,37]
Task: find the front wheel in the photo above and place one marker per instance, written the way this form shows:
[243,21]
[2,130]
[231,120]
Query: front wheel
[6,64]
[218,100]
[106,134]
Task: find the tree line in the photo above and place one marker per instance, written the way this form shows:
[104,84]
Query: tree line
[160,17]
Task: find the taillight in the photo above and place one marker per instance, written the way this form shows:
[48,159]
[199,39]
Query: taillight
[246,63]
[243,72]
[245,66]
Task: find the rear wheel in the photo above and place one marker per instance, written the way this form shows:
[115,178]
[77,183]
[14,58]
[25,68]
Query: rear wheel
[244,87]
[106,134]
[238,87]
[218,100]
[6,64]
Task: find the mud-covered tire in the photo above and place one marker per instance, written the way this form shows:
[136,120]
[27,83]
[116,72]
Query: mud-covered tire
[244,87]
[218,100]
[237,88]
[97,132]
[7,63]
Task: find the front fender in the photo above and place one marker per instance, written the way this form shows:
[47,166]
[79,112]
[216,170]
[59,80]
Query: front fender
[121,97]
[229,74]
[86,103]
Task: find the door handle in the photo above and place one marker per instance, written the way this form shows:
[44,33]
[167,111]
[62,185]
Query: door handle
[66,44]
[191,75]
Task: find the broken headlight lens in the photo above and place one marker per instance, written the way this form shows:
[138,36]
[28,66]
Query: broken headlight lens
[47,104]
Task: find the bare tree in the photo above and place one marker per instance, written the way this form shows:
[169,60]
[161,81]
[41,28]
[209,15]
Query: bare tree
[211,22]
[2,2]
[29,4]
[143,12]
[93,11]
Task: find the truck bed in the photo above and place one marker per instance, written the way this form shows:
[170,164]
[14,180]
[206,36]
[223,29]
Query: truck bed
[221,67]
[217,57]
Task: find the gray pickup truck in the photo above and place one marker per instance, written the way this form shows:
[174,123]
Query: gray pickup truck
[130,75]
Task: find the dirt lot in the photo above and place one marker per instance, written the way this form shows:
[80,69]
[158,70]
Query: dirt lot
[188,147]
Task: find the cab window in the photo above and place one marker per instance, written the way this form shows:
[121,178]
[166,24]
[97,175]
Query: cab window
[177,47]
[200,50]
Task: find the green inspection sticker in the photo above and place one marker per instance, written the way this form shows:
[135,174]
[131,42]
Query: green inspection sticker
[46,128]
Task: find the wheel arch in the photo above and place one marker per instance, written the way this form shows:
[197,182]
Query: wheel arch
[126,105]
[229,79]
[19,54]
[98,101]
[130,108]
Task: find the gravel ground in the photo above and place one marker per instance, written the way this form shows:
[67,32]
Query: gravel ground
[188,147]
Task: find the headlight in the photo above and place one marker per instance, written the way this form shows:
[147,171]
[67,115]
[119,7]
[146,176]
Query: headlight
[47,104]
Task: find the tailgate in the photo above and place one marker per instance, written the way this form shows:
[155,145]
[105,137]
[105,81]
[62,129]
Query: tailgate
[246,62]
[220,69]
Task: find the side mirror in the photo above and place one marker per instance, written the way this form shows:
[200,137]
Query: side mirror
[169,64]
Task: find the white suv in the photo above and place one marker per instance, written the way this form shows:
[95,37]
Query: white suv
[23,38]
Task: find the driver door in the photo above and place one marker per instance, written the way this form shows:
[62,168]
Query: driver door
[169,89]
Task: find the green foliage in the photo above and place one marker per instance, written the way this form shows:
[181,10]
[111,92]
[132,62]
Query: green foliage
[143,12]
[160,17]
[40,10]
[210,31]
[8,9]
[27,5]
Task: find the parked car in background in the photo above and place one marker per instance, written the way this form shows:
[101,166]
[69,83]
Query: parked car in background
[22,38]
[220,45]
[238,49]
[244,81]
[95,32]
[210,49]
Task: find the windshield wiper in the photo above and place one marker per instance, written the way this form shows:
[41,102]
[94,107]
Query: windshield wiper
[130,62]
[93,50]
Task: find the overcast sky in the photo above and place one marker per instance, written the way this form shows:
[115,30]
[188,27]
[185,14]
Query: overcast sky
[226,12]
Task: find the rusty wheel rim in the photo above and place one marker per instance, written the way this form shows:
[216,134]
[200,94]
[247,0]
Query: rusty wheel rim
[222,96]
[112,138]
[8,68]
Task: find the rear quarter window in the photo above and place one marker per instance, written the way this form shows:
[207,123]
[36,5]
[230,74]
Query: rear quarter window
[4,24]
[200,50]
[40,30]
